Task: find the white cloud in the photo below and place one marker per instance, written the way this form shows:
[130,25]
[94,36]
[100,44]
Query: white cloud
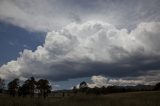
[148,35]
[100,81]
[123,82]
[66,53]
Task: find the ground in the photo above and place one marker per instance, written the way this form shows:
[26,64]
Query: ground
[147,98]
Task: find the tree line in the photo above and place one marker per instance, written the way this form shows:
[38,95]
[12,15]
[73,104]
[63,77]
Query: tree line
[42,87]
[30,87]
[83,88]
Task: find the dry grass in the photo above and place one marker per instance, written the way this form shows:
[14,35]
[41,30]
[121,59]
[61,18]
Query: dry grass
[151,98]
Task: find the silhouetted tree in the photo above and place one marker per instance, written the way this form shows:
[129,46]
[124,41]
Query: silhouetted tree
[83,86]
[157,86]
[13,87]
[2,84]
[103,90]
[29,86]
[23,90]
[44,87]
[97,90]
[75,90]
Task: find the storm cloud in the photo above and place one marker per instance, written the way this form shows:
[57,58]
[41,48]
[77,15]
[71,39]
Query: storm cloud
[92,48]
[48,15]
[115,42]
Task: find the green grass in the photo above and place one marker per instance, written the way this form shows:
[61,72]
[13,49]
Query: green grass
[151,98]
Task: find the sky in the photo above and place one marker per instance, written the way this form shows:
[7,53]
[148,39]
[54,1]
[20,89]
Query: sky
[102,42]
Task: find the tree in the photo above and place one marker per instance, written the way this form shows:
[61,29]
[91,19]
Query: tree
[83,86]
[96,90]
[23,90]
[2,84]
[75,90]
[13,87]
[32,86]
[44,87]
[28,88]
[157,86]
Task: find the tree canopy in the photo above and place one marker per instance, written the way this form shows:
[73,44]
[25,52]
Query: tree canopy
[2,84]
[13,87]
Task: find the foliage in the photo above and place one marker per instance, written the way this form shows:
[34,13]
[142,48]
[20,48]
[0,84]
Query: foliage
[2,84]
[75,90]
[13,87]
[83,87]
[28,88]
[43,87]
[157,86]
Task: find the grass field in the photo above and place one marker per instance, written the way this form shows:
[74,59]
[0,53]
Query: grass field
[150,98]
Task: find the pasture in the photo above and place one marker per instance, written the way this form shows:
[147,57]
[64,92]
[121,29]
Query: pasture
[146,98]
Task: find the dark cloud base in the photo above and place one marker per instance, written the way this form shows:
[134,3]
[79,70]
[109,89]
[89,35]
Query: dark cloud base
[130,67]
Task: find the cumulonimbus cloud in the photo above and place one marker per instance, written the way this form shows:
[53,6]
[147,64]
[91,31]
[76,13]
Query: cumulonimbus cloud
[90,48]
